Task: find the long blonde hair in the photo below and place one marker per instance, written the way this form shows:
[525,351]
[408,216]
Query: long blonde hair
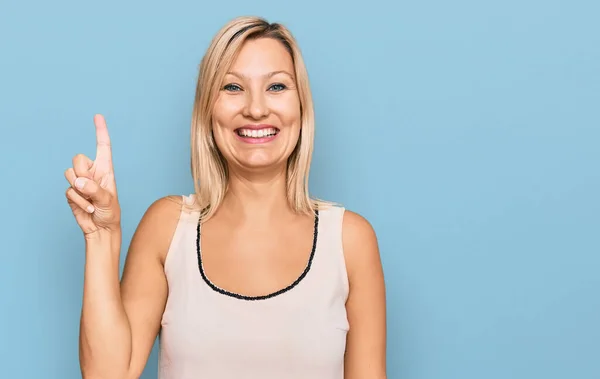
[209,168]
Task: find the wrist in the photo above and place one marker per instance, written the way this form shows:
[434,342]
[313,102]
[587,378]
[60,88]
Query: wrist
[103,233]
[105,237]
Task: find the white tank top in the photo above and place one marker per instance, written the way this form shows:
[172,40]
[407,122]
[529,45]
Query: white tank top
[296,332]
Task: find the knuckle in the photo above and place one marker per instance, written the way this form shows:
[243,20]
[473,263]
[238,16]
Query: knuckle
[80,170]
[79,160]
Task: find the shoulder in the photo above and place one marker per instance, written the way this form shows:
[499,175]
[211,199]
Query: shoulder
[158,224]
[359,243]
[167,209]
[357,232]
[357,229]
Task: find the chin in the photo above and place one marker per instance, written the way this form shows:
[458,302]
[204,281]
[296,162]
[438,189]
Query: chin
[261,164]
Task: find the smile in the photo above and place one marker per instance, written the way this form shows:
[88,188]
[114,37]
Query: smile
[257,134]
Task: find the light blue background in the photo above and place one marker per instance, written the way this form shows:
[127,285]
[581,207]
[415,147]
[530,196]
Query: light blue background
[467,132]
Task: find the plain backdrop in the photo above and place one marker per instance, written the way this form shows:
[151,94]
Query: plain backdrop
[467,132]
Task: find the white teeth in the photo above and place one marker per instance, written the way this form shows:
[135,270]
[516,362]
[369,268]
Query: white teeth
[254,133]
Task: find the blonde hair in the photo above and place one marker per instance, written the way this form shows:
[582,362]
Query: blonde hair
[209,168]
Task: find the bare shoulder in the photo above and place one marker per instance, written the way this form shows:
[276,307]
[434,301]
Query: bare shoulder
[158,225]
[167,205]
[359,241]
[357,228]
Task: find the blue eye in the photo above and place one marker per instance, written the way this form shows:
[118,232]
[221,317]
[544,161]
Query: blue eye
[278,87]
[231,87]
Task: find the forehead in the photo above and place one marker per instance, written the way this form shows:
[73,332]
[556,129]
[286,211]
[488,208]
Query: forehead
[262,55]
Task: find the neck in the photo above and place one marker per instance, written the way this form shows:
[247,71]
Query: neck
[256,198]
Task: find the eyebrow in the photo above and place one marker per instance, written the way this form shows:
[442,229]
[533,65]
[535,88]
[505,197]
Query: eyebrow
[267,75]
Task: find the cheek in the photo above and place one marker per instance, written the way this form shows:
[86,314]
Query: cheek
[226,109]
[221,118]
[289,110]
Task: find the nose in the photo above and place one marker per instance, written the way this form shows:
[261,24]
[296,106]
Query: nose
[256,105]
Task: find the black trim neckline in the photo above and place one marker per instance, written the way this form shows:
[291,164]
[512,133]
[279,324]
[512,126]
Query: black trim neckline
[259,297]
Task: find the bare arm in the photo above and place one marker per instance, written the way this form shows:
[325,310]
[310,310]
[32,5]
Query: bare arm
[120,321]
[366,308]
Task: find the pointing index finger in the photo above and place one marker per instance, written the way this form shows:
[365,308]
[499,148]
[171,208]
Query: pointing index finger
[103,150]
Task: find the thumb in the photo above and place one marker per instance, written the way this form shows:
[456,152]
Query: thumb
[92,190]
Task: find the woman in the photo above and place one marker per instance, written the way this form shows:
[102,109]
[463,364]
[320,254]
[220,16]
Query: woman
[249,277]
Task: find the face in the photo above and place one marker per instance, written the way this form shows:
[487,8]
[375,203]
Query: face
[256,117]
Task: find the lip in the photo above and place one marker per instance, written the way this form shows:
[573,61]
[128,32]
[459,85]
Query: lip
[252,140]
[257,127]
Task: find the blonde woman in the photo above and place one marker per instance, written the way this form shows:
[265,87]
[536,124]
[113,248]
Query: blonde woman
[249,277]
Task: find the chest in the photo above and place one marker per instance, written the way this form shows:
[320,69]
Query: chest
[274,337]
[257,260]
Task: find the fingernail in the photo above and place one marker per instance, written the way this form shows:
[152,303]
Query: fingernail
[79,183]
[90,209]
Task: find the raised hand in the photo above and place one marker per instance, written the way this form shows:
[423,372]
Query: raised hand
[92,194]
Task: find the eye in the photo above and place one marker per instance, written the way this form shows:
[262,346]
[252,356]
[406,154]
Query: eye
[277,87]
[232,87]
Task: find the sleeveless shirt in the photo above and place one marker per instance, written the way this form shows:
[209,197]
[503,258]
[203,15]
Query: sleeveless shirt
[296,332]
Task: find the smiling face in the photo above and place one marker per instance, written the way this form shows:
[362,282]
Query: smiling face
[256,116]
